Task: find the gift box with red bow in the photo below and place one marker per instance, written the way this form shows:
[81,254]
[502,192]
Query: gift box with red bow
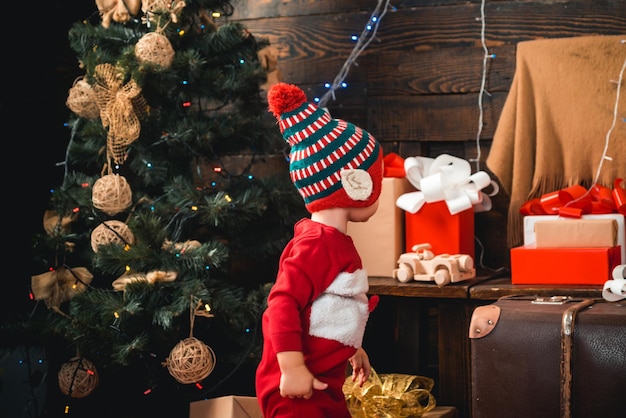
[572,236]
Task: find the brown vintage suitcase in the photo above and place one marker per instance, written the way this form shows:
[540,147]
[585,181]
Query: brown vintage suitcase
[548,358]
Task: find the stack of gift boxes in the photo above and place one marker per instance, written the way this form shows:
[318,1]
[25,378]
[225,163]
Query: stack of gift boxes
[573,236]
[423,200]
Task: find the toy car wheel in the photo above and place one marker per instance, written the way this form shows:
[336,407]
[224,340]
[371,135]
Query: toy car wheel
[404,273]
[466,263]
[442,277]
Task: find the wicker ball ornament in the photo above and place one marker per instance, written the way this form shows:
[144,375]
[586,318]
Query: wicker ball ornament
[155,48]
[190,361]
[81,100]
[111,194]
[111,232]
[78,377]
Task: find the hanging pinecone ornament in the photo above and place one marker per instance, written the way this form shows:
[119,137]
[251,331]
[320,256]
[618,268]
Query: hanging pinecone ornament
[82,100]
[190,361]
[154,48]
[78,377]
[111,232]
[111,194]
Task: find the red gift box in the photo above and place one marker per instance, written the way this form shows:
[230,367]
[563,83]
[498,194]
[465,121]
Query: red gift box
[563,266]
[446,233]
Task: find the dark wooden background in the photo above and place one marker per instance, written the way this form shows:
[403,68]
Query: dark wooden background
[416,86]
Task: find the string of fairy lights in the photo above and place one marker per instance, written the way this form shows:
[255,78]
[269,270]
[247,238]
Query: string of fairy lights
[483,81]
[361,43]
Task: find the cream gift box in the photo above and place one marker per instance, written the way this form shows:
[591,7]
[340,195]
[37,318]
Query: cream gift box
[226,407]
[380,240]
[585,231]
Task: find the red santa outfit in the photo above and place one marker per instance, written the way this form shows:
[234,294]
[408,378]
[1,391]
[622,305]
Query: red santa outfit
[319,306]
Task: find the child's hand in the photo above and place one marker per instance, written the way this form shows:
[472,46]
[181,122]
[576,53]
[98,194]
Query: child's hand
[298,382]
[361,367]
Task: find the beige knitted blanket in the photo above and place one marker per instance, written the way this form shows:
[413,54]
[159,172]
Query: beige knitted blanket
[556,123]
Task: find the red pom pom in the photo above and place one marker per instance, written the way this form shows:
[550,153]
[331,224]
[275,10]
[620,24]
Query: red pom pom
[284,97]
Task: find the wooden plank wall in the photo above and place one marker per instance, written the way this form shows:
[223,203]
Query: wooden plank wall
[416,86]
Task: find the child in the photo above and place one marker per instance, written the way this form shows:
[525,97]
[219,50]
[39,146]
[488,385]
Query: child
[318,307]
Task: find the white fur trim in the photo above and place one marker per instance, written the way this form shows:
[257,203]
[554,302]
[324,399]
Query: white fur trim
[341,312]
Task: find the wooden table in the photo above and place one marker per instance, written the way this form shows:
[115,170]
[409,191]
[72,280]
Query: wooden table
[421,328]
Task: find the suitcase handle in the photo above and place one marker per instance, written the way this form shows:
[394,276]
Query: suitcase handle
[567,343]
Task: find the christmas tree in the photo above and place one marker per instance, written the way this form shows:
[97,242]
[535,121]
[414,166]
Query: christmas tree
[162,240]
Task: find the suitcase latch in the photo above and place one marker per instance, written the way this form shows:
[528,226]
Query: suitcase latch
[552,300]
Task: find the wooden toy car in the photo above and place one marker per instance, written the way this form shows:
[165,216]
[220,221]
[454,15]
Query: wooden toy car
[423,265]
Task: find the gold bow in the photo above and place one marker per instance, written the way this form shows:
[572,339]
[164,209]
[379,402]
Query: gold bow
[116,109]
[60,285]
[390,396]
[152,277]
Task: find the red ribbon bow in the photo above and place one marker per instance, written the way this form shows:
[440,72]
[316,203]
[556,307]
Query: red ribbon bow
[393,165]
[574,201]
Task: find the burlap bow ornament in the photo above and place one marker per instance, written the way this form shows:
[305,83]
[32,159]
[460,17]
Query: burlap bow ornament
[174,7]
[119,11]
[54,224]
[117,103]
[152,277]
[181,247]
[60,285]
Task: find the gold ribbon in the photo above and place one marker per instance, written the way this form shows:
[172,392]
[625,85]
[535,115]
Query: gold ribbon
[60,285]
[152,277]
[390,396]
[116,109]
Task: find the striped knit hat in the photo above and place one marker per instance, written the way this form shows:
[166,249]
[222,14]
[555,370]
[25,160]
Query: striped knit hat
[333,163]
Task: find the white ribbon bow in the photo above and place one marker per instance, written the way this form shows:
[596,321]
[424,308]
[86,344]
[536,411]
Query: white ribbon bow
[615,289]
[445,178]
